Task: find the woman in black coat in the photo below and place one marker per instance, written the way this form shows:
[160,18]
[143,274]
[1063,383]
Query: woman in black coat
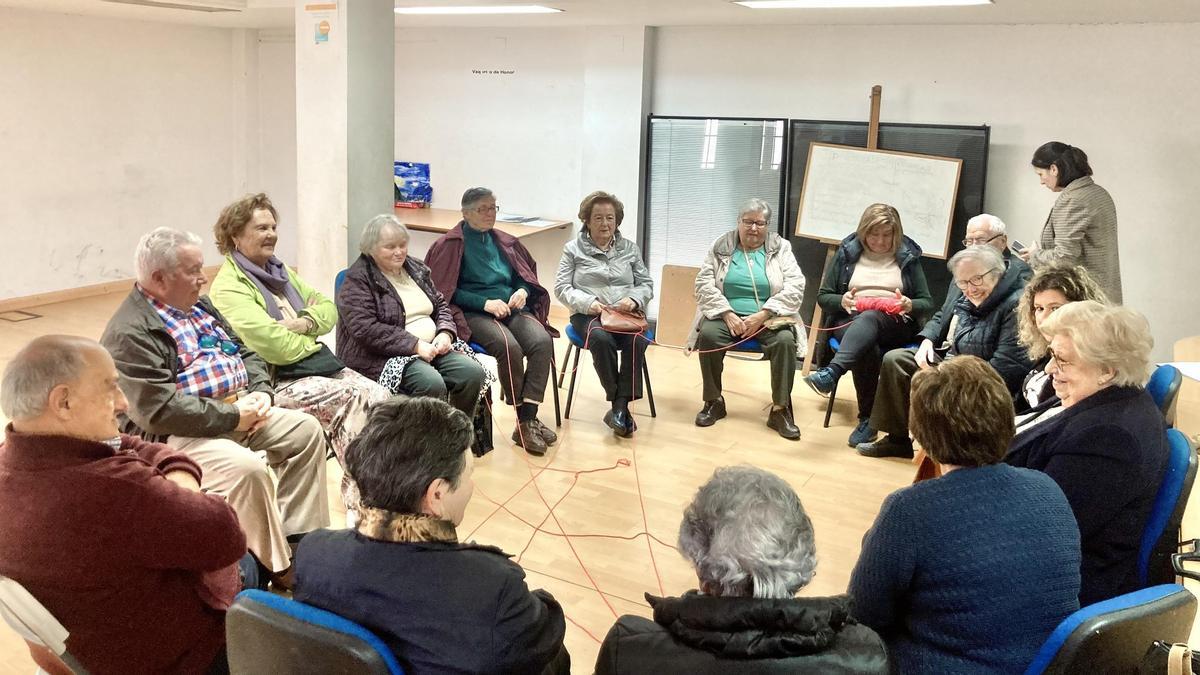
[751,543]
[1107,448]
[440,605]
[395,327]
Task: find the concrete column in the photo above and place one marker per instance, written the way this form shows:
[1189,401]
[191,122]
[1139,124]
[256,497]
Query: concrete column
[345,128]
[617,83]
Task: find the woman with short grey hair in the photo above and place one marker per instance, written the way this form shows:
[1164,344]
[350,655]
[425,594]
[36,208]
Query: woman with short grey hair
[601,270]
[395,327]
[983,324]
[751,543]
[750,288]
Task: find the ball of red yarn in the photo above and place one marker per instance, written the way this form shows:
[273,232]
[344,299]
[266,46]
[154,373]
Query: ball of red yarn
[885,305]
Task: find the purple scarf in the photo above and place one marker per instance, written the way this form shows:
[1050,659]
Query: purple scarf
[271,282]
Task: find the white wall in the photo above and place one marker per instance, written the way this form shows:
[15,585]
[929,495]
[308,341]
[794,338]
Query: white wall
[276,137]
[1123,93]
[107,129]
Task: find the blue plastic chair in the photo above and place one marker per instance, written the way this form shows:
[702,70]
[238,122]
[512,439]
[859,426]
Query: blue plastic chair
[1163,387]
[268,633]
[337,281]
[1160,538]
[575,344]
[1112,636]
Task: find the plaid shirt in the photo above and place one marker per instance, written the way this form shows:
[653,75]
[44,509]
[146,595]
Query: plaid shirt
[202,371]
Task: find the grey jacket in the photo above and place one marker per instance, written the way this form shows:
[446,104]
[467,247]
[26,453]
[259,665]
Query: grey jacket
[586,274]
[1082,230]
[148,363]
[783,272]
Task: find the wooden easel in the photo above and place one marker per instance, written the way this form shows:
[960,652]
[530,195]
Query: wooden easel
[818,315]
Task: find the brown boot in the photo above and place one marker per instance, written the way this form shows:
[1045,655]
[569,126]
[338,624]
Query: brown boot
[526,435]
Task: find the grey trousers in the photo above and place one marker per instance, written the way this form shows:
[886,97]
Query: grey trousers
[890,414]
[522,349]
[451,376]
[778,345]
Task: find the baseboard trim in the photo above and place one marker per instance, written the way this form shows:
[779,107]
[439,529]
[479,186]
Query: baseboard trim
[91,290]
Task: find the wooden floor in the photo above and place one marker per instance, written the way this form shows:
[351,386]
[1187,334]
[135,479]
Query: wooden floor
[606,564]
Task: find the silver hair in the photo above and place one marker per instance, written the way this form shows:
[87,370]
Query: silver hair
[755,205]
[373,231]
[37,369]
[987,256]
[994,224]
[159,250]
[746,533]
[474,195]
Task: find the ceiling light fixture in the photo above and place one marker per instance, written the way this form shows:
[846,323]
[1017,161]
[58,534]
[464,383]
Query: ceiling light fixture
[492,9]
[853,4]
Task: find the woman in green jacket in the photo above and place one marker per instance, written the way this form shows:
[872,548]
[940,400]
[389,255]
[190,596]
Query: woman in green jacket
[876,261]
[280,317]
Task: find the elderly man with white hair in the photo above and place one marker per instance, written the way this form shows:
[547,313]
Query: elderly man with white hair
[752,545]
[109,532]
[193,385]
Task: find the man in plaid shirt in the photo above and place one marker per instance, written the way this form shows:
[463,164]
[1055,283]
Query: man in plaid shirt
[191,385]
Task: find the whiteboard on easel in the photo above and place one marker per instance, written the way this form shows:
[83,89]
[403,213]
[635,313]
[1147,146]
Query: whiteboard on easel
[841,181]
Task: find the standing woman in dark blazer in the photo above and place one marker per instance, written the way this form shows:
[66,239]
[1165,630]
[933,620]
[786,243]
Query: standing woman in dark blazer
[1082,226]
[1107,448]
[877,261]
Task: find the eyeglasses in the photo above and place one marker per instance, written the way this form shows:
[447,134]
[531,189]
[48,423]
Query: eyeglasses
[976,280]
[228,347]
[972,241]
[754,223]
[486,209]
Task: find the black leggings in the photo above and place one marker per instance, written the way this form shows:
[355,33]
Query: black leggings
[863,344]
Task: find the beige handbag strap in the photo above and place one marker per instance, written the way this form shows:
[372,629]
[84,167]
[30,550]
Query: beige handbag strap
[1179,660]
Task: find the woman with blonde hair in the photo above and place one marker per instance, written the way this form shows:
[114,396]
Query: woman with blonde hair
[1106,447]
[875,296]
[1050,288]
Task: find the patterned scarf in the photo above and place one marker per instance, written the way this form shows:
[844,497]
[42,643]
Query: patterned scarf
[271,282]
[384,525]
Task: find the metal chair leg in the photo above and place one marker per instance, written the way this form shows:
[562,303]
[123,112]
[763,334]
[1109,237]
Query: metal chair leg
[649,389]
[571,387]
[829,403]
[554,367]
[562,375]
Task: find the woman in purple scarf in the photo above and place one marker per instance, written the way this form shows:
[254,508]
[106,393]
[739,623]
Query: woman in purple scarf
[280,317]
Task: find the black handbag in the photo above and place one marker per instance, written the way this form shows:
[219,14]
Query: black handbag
[482,423]
[321,363]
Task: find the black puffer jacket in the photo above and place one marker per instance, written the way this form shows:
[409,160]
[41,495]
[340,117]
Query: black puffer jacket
[989,331]
[697,634]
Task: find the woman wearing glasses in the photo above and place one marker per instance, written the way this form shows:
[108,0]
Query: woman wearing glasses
[983,323]
[1106,448]
[491,281]
[749,287]
[877,265]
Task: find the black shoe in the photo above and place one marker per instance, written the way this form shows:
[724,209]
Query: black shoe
[888,446]
[621,422]
[863,433]
[780,420]
[821,381]
[711,412]
[526,435]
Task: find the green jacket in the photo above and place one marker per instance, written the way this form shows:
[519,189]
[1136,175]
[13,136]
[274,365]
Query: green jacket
[239,300]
